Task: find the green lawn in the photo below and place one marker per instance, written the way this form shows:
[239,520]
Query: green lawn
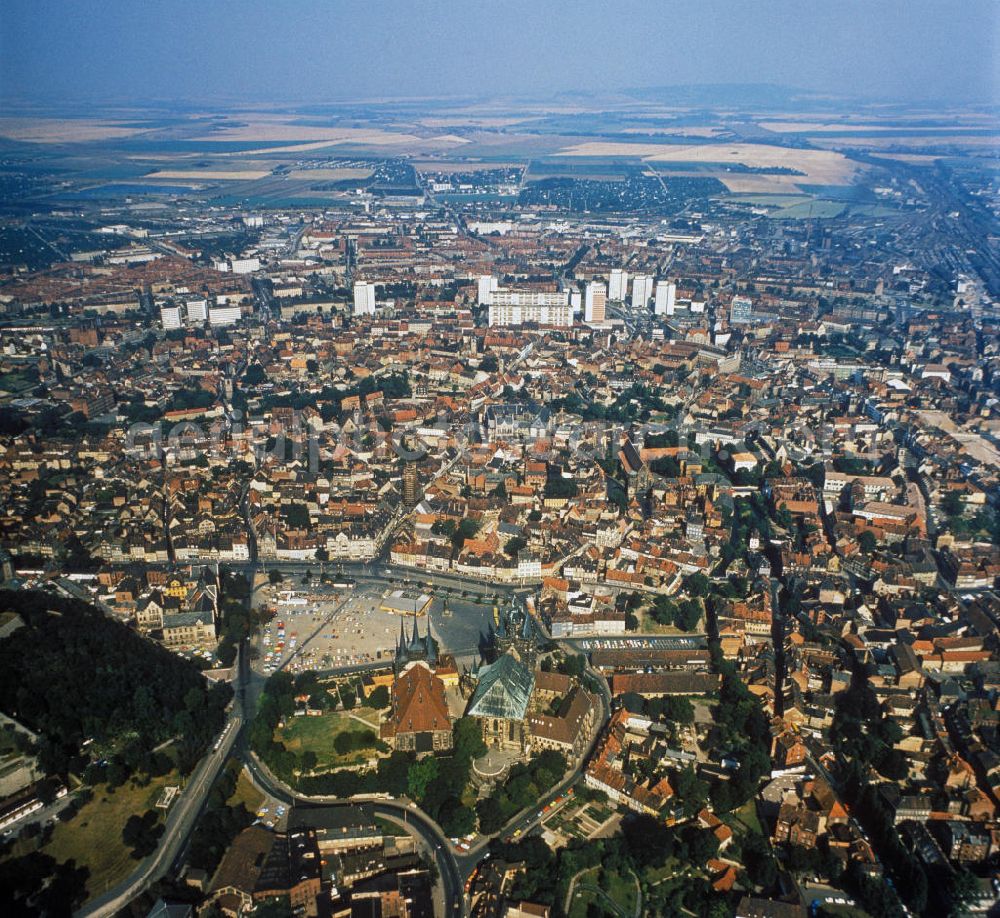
[745,819]
[768,200]
[621,892]
[318,733]
[809,210]
[390,828]
[672,868]
[246,794]
[94,837]
[649,625]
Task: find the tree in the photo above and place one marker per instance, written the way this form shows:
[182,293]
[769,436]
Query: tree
[117,772]
[254,375]
[226,652]
[379,697]
[687,615]
[274,576]
[952,503]
[697,584]
[468,739]
[867,542]
[633,702]
[961,888]
[573,665]
[141,833]
[515,545]
[420,776]
[466,529]
[678,708]
[692,792]
[491,818]
[459,821]
[759,861]
[701,844]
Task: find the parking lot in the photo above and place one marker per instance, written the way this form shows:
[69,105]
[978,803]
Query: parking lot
[272,814]
[322,627]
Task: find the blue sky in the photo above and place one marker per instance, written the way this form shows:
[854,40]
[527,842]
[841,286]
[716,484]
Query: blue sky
[281,51]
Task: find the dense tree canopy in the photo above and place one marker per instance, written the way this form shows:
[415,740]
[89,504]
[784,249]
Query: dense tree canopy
[72,674]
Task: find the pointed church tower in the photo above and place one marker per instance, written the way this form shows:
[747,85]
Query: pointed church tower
[431,645]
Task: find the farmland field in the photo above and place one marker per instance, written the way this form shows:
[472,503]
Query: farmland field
[208,175]
[818,166]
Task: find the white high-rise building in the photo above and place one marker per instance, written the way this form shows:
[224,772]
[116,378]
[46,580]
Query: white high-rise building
[666,298]
[170,316]
[244,265]
[364,299]
[197,311]
[539,313]
[506,297]
[619,285]
[642,290]
[576,301]
[741,311]
[219,316]
[487,284]
[237,265]
[594,303]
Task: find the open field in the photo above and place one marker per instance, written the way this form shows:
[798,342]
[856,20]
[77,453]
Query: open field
[209,175]
[476,121]
[810,210]
[745,819]
[975,143]
[94,837]
[71,130]
[276,131]
[424,166]
[845,127]
[824,167]
[769,200]
[331,175]
[761,184]
[914,159]
[687,131]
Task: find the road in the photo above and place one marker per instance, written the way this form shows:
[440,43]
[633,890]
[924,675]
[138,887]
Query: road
[383,573]
[43,816]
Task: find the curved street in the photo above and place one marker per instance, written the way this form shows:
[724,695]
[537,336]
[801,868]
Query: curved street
[409,814]
[182,818]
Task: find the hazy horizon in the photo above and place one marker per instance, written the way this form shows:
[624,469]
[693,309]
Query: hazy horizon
[259,53]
